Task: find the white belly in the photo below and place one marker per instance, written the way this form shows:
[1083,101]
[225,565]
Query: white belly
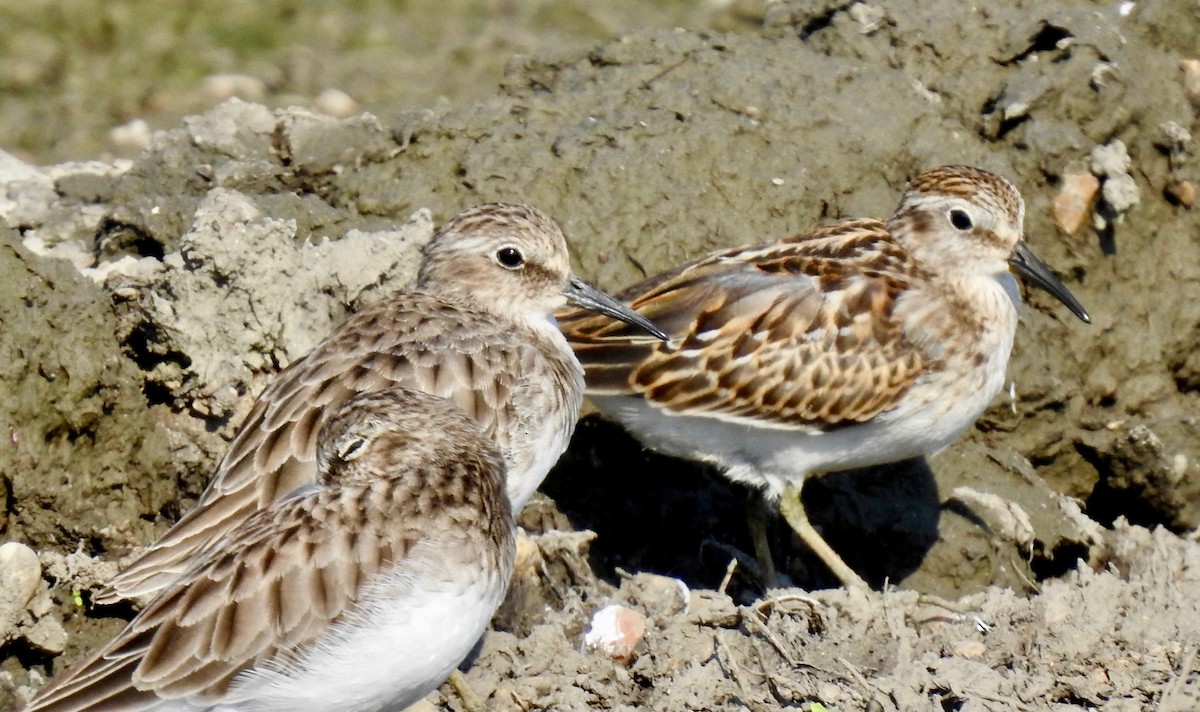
[771,457]
[392,651]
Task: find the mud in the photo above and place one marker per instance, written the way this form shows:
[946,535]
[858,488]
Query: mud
[144,304]
[1121,638]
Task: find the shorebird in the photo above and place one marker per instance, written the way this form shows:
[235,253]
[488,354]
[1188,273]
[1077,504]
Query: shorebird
[360,591]
[478,329]
[857,344]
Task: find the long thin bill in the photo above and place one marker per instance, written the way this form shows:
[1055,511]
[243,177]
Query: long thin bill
[1030,267]
[585,296]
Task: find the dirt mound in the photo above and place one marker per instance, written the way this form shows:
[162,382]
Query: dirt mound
[1118,639]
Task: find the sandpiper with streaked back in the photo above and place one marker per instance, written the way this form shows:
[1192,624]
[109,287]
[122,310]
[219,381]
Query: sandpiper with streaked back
[857,344]
[478,329]
[360,591]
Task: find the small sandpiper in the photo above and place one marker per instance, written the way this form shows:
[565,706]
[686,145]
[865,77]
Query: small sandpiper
[478,329]
[360,591]
[858,344]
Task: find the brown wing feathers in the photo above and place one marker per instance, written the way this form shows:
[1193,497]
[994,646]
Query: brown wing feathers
[785,332]
[278,584]
[274,451]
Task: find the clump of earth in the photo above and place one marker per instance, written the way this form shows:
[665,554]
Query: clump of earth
[145,302]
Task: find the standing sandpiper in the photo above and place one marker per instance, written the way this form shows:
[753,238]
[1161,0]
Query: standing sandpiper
[478,330]
[359,592]
[857,344]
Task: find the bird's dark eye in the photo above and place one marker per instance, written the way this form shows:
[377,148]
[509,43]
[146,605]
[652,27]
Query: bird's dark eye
[960,220]
[510,257]
[350,450]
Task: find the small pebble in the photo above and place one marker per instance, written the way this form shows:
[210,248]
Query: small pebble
[1121,193]
[1191,80]
[336,103]
[20,574]
[1074,201]
[1181,192]
[616,631]
[1111,159]
[220,87]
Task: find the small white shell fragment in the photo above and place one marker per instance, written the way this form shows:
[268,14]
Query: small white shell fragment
[616,631]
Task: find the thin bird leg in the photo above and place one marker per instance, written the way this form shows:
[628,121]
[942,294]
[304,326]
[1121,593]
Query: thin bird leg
[792,510]
[470,701]
[757,522]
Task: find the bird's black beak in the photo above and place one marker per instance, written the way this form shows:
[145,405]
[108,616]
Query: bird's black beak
[1030,267]
[584,295]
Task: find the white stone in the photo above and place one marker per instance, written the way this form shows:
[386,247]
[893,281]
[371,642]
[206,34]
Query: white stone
[20,574]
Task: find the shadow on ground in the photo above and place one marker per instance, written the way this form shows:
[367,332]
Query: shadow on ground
[657,513]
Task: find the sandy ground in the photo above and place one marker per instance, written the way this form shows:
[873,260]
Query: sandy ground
[145,301]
